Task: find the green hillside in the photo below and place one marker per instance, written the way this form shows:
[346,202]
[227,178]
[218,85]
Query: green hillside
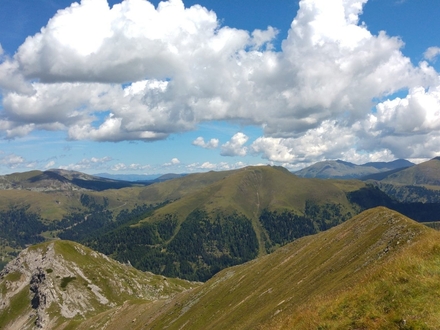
[63,283]
[379,270]
[193,226]
[253,189]
[416,184]
[246,213]
[338,169]
[427,173]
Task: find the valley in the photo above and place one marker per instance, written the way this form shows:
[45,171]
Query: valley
[245,234]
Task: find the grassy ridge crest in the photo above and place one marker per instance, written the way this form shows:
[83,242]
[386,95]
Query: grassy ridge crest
[377,255]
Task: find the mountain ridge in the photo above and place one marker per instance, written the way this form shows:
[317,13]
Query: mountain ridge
[338,169]
[60,180]
[307,284]
[426,173]
[63,282]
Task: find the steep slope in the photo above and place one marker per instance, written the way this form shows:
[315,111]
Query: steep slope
[417,184]
[247,213]
[426,173]
[379,270]
[62,282]
[338,169]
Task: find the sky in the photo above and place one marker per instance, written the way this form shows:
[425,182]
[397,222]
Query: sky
[139,87]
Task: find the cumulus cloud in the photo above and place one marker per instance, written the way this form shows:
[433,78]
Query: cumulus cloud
[136,72]
[211,144]
[327,141]
[173,162]
[408,126]
[332,140]
[12,161]
[235,147]
[432,53]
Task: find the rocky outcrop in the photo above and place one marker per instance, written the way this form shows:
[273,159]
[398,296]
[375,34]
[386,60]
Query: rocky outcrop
[64,280]
[38,301]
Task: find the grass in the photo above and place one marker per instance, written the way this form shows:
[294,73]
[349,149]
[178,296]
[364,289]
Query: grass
[403,294]
[13,277]
[50,205]
[376,271]
[66,280]
[88,273]
[248,191]
[18,307]
[426,173]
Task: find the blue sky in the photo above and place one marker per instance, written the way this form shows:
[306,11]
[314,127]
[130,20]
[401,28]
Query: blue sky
[142,87]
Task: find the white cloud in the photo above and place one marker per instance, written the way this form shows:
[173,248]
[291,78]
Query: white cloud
[12,161]
[222,166]
[173,162]
[88,164]
[262,38]
[235,147]
[136,72]
[328,140]
[131,167]
[119,167]
[354,156]
[274,149]
[208,166]
[432,53]
[211,144]
[50,164]
[409,127]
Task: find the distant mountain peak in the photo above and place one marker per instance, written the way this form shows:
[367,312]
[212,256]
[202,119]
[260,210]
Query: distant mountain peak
[345,163]
[339,169]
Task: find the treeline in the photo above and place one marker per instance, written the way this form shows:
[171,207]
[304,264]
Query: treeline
[371,196]
[327,215]
[202,246]
[97,219]
[283,227]
[211,244]
[126,237]
[410,194]
[198,247]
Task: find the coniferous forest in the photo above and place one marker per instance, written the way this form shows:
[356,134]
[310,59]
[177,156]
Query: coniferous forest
[203,241]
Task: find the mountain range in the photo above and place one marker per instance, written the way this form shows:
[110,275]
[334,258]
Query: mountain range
[378,270]
[196,225]
[338,169]
[56,180]
[140,177]
[275,250]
